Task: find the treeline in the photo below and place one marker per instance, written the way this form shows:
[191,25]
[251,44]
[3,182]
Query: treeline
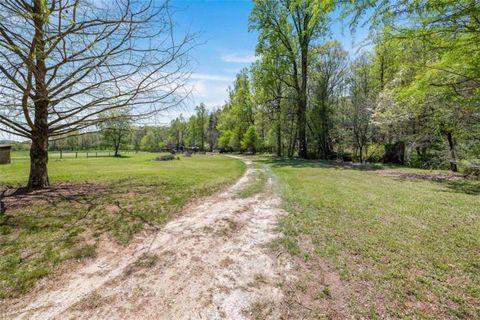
[413,98]
[118,132]
[16,145]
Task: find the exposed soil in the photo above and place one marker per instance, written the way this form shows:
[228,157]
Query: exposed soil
[320,293]
[213,262]
[14,198]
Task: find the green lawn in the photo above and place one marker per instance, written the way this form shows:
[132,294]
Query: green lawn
[107,168]
[126,195]
[402,248]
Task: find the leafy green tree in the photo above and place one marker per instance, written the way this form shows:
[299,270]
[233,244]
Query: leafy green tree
[178,132]
[154,139]
[116,130]
[89,140]
[250,139]
[192,132]
[239,112]
[212,131]
[292,25]
[270,94]
[363,95]
[225,138]
[137,135]
[202,116]
[432,80]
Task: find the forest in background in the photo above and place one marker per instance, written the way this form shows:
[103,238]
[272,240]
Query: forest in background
[411,97]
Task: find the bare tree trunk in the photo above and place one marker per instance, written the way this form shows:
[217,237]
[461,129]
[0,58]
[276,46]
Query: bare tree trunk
[293,144]
[302,136]
[382,71]
[366,152]
[117,147]
[279,137]
[293,138]
[302,108]
[453,157]
[202,138]
[39,151]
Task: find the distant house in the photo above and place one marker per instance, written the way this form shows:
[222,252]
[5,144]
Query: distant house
[5,153]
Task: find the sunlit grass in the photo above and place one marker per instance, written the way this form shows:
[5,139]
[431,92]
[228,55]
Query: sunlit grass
[404,248]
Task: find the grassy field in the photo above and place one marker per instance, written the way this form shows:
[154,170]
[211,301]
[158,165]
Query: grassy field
[123,195]
[403,248]
[71,169]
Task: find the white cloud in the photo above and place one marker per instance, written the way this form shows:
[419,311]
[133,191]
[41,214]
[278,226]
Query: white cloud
[211,89]
[211,77]
[212,93]
[239,58]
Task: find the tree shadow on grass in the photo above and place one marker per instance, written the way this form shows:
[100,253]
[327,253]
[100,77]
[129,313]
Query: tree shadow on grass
[459,185]
[14,198]
[327,164]
[467,186]
[42,228]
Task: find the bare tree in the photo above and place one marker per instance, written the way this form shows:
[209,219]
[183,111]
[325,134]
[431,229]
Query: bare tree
[65,63]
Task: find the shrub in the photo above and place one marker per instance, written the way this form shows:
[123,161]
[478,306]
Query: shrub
[250,139]
[471,168]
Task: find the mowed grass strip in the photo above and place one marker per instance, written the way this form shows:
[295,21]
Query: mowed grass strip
[403,248]
[255,185]
[127,194]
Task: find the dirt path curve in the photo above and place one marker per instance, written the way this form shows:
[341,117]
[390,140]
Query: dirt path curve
[210,263]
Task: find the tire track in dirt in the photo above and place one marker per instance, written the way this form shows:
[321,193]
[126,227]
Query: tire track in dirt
[210,263]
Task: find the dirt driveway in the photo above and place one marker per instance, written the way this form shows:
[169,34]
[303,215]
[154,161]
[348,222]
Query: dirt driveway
[210,263]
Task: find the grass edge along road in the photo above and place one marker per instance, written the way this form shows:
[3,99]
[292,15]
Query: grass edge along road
[122,196]
[401,247]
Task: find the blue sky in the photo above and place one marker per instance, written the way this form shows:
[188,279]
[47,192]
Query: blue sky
[226,45]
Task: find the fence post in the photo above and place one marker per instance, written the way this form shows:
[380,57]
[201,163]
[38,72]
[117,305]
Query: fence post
[76,154]
[61,155]
[87,154]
